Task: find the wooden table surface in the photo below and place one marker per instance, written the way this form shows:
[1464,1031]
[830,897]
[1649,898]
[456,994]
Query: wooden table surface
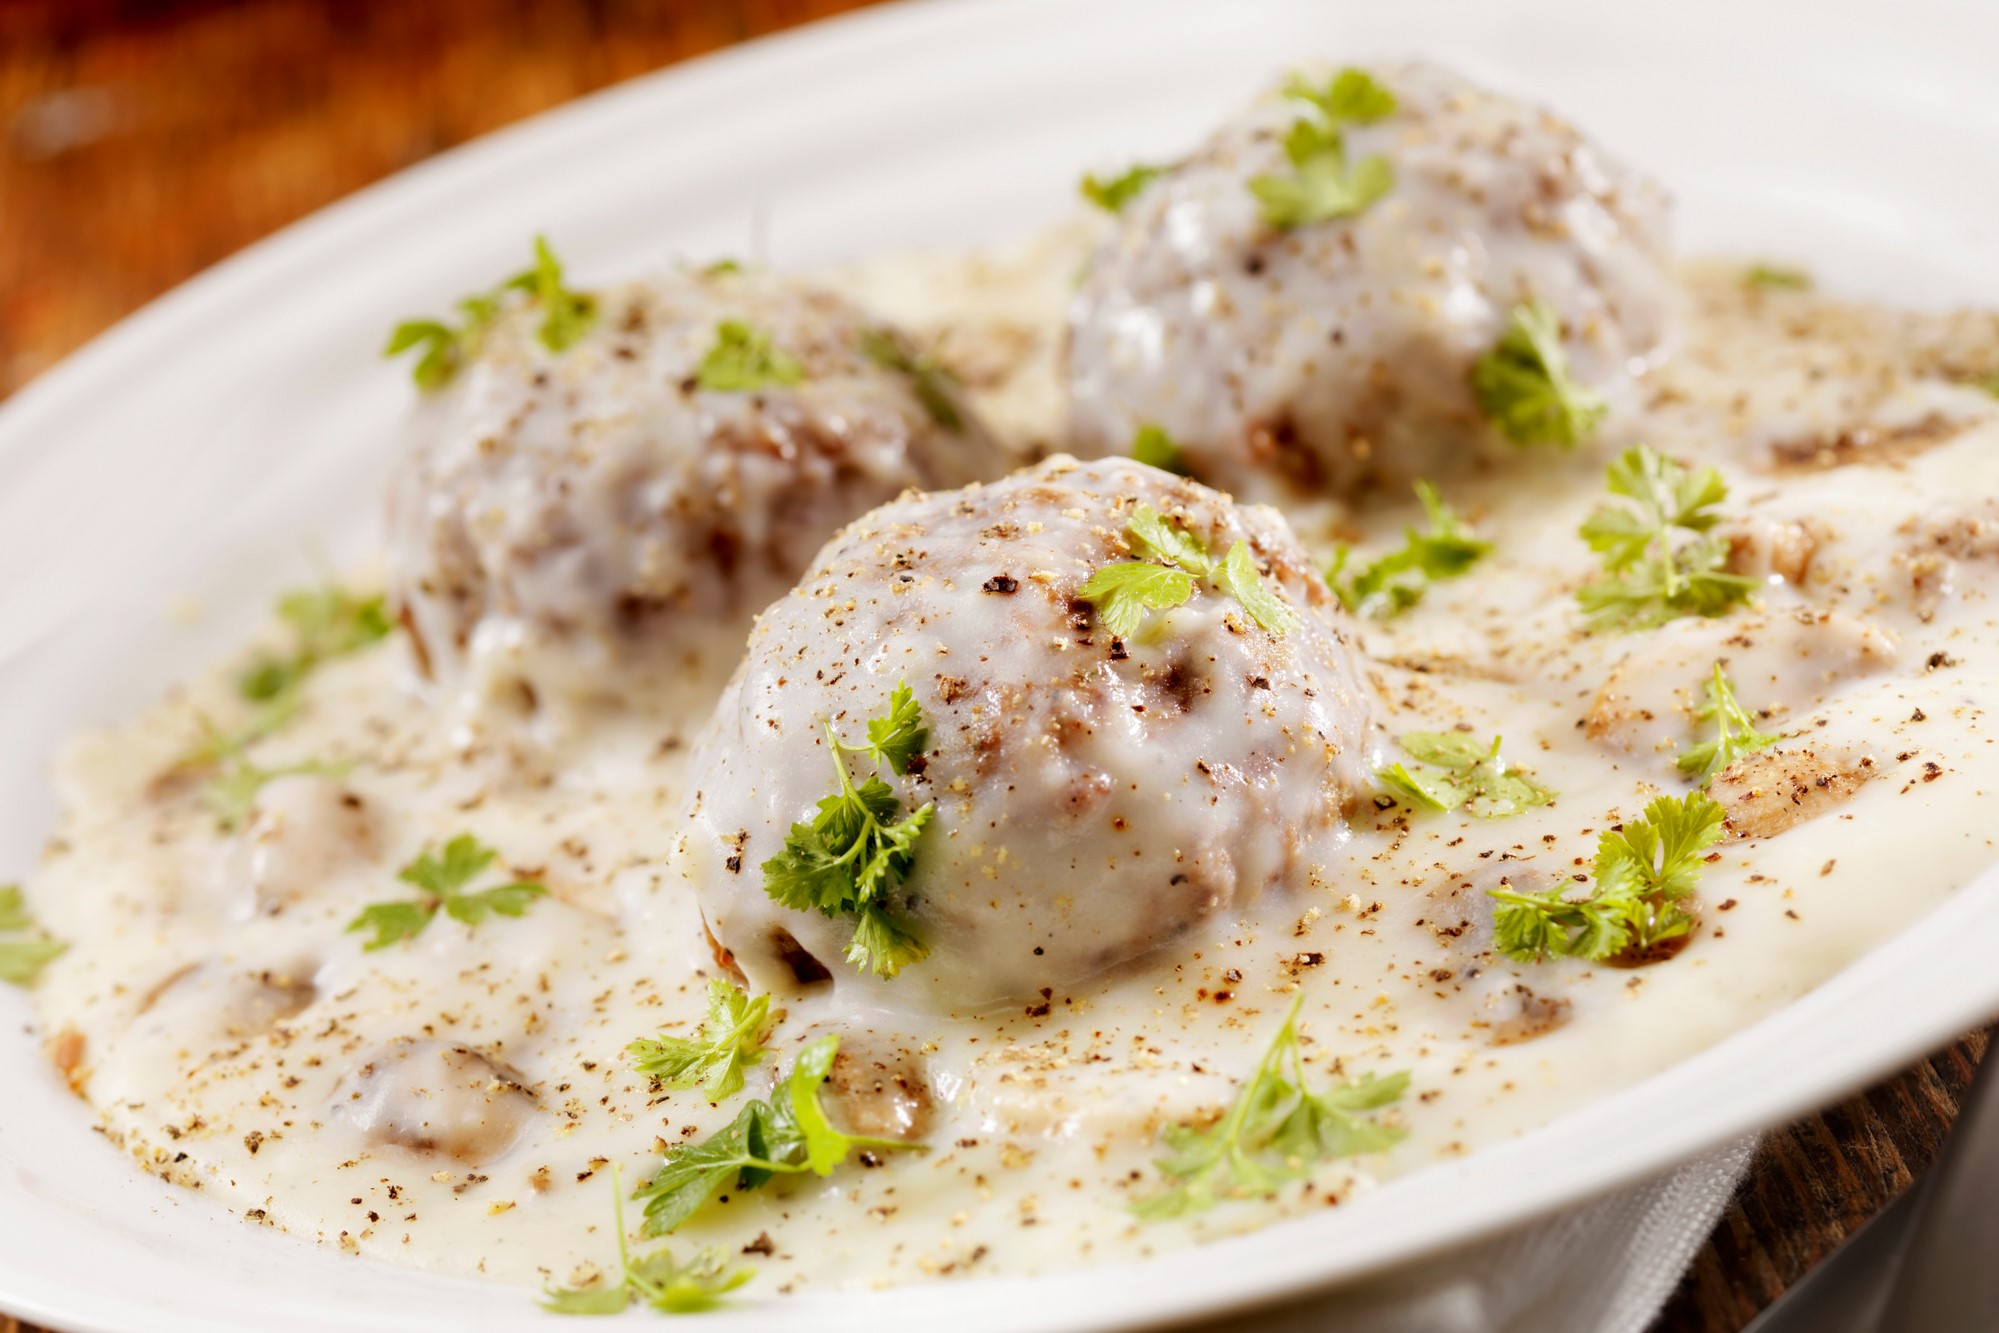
[143,140]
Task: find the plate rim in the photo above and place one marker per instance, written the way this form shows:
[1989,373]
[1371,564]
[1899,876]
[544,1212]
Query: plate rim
[1239,1278]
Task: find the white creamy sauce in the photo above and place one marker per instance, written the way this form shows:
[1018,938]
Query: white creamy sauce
[457,1102]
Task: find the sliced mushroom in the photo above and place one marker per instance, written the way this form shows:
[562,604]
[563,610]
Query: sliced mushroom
[431,1096]
[1773,790]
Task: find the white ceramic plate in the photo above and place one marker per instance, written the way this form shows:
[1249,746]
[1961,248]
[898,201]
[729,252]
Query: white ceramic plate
[206,445]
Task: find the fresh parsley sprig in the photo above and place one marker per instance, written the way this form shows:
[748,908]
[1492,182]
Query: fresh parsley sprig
[1462,771]
[1152,446]
[1112,193]
[1524,387]
[1123,593]
[657,1280]
[1661,560]
[1735,732]
[933,383]
[729,1041]
[788,1135]
[566,317]
[326,623]
[1389,585]
[1644,872]
[1322,185]
[743,359]
[24,948]
[1276,1132]
[856,852]
[440,881]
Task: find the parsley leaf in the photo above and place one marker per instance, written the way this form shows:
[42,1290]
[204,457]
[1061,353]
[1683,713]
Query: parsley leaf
[656,1280]
[1735,732]
[788,1135]
[1276,1132]
[1777,278]
[1643,871]
[1389,585]
[860,846]
[566,315]
[1242,580]
[441,881]
[1153,447]
[1463,772]
[1151,533]
[566,318]
[1660,559]
[1113,193]
[930,379]
[1351,97]
[1124,593]
[729,1040]
[1321,185]
[900,736]
[743,360]
[1524,388]
[443,350]
[326,623]
[23,951]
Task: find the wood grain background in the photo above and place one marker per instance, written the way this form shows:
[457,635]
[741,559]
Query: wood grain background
[143,140]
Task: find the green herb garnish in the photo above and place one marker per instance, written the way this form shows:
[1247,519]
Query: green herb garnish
[1524,387]
[1644,872]
[1276,1132]
[787,1135]
[1322,185]
[1774,277]
[858,849]
[1124,593]
[441,881]
[1735,732]
[654,1280]
[1463,772]
[326,623]
[24,949]
[932,382]
[566,317]
[1391,584]
[1152,446]
[730,1040]
[1660,559]
[744,360]
[1113,193]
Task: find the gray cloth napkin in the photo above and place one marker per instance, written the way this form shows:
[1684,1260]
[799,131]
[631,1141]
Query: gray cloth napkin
[1606,1267]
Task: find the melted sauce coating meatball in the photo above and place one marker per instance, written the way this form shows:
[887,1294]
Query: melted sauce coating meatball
[1338,354]
[1096,797]
[600,522]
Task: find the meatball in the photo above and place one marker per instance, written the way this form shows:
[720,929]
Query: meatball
[431,1096]
[1337,355]
[575,525]
[1095,797]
